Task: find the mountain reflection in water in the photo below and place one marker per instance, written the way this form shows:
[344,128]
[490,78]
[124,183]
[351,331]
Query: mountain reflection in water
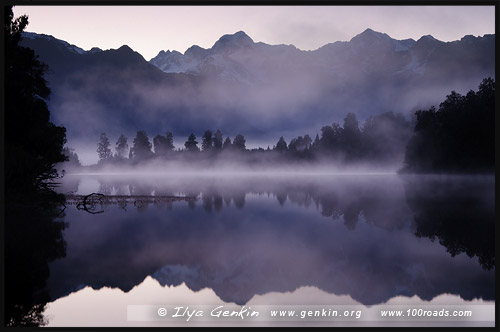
[370,237]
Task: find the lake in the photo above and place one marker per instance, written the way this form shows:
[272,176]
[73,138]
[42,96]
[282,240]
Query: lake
[308,242]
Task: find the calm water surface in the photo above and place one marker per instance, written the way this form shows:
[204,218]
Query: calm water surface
[370,237]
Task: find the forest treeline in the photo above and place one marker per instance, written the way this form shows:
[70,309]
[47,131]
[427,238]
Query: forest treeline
[456,138]
[381,138]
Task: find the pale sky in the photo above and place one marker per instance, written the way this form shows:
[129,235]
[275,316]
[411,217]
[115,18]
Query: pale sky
[150,29]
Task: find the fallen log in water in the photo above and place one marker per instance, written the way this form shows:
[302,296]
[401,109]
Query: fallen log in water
[94,203]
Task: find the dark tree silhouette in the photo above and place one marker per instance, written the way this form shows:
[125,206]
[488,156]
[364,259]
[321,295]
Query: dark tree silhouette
[350,137]
[121,147]
[239,142]
[191,144]
[307,142]
[170,141]
[73,160]
[33,145]
[330,137]
[141,150]
[163,145]
[459,137]
[281,145]
[300,143]
[158,143]
[227,144]
[294,142]
[316,142]
[218,140]
[207,141]
[103,149]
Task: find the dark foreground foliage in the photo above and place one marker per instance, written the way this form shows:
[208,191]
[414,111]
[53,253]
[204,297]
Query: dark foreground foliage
[457,138]
[33,211]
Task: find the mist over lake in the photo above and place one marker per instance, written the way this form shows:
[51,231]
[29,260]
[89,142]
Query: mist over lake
[248,182]
[366,236]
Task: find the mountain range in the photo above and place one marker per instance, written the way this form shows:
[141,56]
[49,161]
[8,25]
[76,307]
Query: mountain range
[262,91]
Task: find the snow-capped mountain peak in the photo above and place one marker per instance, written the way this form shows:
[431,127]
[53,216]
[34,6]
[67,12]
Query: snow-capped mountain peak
[237,57]
[257,89]
[199,61]
[173,62]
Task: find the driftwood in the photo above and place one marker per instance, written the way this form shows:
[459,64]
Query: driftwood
[90,203]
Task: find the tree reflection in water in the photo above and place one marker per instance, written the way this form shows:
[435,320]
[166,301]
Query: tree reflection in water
[460,214]
[457,210]
[352,235]
[34,238]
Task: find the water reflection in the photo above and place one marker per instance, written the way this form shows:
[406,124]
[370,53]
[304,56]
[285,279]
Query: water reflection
[379,199]
[458,213]
[114,302]
[34,226]
[248,236]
